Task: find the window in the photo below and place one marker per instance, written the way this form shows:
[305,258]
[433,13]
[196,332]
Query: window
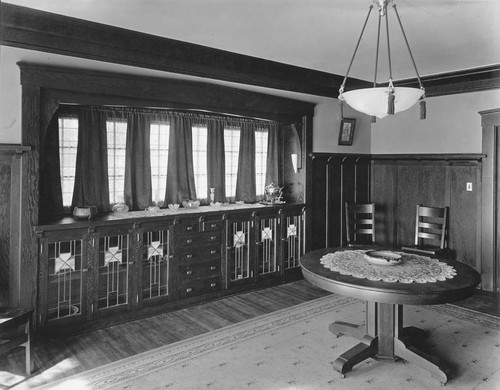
[200,160]
[158,145]
[261,136]
[232,152]
[117,141]
[159,149]
[68,142]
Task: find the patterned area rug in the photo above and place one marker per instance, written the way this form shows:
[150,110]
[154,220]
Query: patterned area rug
[293,349]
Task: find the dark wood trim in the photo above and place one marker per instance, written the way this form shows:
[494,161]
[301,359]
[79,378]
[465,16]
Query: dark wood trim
[12,157]
[48,32]
[30,173]
[433,157]
[490,201]
[80,86]
[13,149]
[469,80]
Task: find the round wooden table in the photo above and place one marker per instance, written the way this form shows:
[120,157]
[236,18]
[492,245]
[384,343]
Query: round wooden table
[384,337]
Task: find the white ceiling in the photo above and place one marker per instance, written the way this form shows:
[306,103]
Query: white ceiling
[444,35]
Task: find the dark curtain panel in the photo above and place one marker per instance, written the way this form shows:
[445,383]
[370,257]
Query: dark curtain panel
[272,164]
[51,202]
[138,190]
[216,166]
[180,174]
[245,183]
[91,176]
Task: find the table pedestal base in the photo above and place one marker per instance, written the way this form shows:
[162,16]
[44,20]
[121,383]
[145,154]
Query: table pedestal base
[385,339]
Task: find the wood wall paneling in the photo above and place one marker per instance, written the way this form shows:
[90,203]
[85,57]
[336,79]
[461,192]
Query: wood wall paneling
[409,195]
[384,191]
[363,179]
[334,198]
[336,178]
[5,178]
[402,183]
[463,216]
[317,216]
[11,163]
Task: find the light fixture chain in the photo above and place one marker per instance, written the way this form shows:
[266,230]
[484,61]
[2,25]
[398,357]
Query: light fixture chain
[408,45]
[376,53]
[356,49]
[388,45]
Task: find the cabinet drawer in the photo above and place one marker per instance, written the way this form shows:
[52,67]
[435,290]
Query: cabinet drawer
[209,226]
[200,286]
[189,226]
[199,270]
[195,253]
[196,239]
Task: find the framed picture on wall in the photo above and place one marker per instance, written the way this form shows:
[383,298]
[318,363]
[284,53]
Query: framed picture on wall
[346,133]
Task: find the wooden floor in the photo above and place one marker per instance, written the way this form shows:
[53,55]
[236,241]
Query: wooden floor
[57,358]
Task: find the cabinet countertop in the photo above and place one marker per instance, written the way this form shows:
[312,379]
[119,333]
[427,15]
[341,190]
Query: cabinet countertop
[110,219]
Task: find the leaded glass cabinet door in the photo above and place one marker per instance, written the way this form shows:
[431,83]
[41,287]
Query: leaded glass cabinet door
[155,264]
[63,274]
[266,245]
[112,270]
[292,236]
[239,235]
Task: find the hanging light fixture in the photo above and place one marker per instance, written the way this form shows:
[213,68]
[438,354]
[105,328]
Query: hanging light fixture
[382,101]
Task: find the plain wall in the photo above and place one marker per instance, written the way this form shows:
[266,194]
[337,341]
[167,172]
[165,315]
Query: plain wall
[326,129]
[453,125]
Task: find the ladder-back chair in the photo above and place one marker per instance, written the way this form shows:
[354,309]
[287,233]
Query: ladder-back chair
[431,231]
[360,223]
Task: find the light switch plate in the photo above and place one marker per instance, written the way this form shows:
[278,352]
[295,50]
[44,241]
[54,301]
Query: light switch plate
[469,186]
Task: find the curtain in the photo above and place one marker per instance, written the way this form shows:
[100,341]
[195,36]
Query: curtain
[216,167]
[91,175]
[51,202]
[138,192]
[180,173]
[245,182]
[272,166]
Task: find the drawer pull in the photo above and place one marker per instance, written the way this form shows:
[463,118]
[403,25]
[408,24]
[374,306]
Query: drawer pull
[189,241]
[213,237]
[213,268]
[214,225]
[189,256]
[189,289]
[189,228]
[189,272]
[213,284]
[213,252]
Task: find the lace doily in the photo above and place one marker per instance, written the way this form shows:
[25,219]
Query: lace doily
[413,268]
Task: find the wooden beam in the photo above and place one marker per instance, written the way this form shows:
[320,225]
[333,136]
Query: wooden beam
[48,32]
[469,80]
[89,87]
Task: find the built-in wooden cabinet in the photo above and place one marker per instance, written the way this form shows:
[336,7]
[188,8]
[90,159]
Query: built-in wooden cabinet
[153,269]
[108,269]
[198,256]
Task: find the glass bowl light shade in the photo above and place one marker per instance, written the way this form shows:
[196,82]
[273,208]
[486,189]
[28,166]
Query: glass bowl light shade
[374,101]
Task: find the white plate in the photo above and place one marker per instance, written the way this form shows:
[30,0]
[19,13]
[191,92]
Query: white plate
[383,257]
